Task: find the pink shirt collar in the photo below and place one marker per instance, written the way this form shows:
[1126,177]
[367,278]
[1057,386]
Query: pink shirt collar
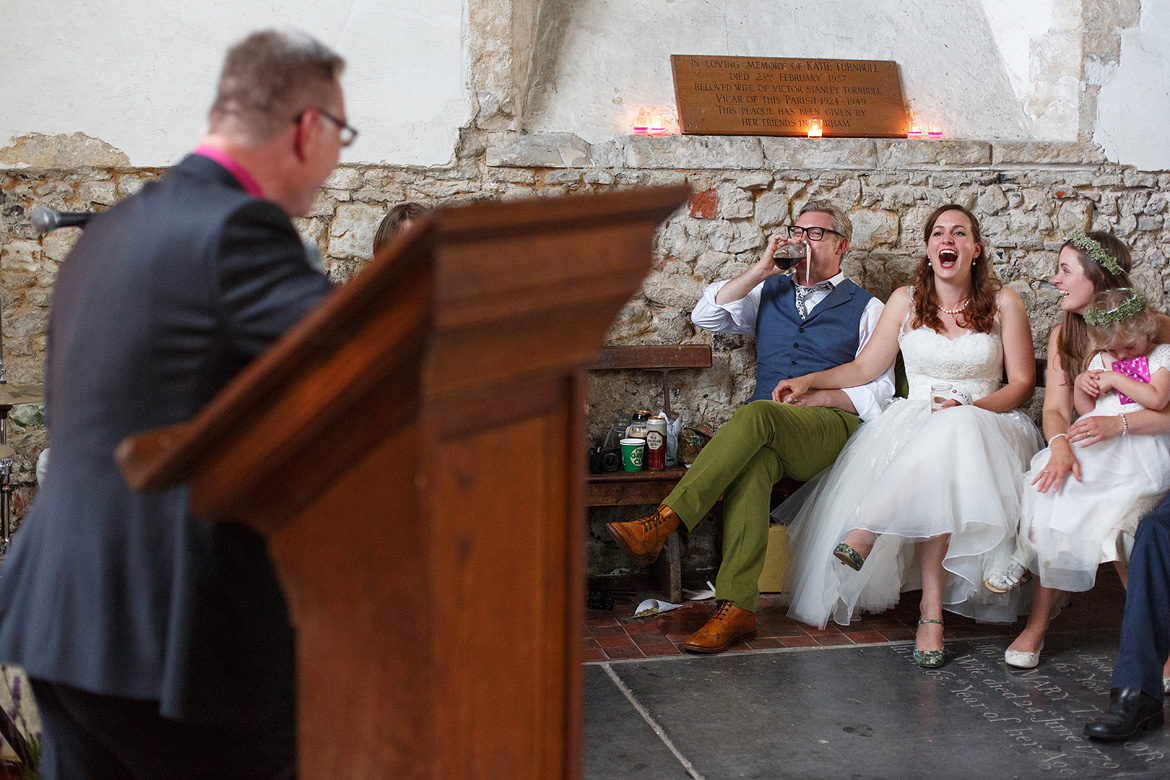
[250,185]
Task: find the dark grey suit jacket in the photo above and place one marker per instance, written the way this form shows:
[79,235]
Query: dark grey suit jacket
[163,300]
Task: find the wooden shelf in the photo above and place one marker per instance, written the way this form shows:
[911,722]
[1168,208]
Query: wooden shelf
[628,488]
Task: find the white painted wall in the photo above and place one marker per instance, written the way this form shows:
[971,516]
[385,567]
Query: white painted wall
[1039,42]
[615,56]
[1133,107]
[983,69]
[140,75]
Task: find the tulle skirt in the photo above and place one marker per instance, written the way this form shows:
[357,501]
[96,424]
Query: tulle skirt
[910,475]
[1066,534]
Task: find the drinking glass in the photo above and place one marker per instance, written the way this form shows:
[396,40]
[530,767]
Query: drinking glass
[790,254]
[940,393]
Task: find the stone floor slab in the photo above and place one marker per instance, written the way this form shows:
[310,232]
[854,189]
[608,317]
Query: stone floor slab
[869,712]
[618,741]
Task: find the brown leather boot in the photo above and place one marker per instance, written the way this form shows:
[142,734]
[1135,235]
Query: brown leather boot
[728,624]
[643,538]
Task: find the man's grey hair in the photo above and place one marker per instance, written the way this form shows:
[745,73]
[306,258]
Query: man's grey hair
[841,222]
[268,79]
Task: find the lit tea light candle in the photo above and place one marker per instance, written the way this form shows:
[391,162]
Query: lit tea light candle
[814,128]
[914,132]
[935,131]
[641,124]
[657,126]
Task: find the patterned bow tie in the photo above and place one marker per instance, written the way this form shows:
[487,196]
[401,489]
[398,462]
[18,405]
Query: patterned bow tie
[802,294]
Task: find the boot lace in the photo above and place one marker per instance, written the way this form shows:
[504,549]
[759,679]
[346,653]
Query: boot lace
[652,522]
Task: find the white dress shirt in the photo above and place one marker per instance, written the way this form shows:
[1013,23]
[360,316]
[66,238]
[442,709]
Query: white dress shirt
[739,317]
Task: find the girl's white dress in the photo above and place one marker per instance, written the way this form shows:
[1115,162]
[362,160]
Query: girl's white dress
[910,475]
[1066,534]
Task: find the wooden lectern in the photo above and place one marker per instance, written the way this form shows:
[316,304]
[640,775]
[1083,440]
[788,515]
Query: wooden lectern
[414,451]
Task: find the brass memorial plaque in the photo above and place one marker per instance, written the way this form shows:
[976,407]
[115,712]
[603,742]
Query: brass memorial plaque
[780,95]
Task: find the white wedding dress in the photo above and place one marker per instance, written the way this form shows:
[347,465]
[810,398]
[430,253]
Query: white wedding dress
[910,475]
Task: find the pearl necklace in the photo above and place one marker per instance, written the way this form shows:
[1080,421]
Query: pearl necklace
[955,310]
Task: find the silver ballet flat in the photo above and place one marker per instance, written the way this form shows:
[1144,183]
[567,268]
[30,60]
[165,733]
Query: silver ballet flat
[1013,576]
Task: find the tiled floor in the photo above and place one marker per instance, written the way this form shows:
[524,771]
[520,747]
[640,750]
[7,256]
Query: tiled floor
[617,635]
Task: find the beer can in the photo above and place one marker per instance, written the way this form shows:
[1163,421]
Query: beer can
[656,443]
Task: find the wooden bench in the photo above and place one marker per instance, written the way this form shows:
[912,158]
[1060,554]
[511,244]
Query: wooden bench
[651,487]
[648,487]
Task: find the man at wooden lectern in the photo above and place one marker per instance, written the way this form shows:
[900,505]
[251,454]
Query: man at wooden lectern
[158,645]
[810,320]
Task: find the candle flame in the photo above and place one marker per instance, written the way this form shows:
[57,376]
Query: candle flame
[641,124]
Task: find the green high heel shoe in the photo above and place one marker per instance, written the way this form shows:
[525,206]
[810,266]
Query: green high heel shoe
[929,659]
[848,556]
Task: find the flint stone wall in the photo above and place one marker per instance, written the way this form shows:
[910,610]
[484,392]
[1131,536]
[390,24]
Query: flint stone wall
[1028,195]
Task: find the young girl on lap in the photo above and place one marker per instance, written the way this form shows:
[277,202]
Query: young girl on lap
[1065,534]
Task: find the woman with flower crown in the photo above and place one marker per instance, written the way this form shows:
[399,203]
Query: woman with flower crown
[925,495]
[1089,265]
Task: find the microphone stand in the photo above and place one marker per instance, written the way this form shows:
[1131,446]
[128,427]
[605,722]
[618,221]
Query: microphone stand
[5,462]
[43,221]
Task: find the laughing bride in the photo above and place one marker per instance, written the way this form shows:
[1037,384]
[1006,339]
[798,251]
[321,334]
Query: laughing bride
[942,489]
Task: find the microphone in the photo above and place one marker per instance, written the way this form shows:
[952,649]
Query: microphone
[45,221]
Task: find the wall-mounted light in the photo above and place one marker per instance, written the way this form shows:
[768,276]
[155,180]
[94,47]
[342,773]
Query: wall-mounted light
[815,129]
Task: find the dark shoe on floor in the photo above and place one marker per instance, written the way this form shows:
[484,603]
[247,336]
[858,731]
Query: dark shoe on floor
[643,538]
[729,624]
[1131,711]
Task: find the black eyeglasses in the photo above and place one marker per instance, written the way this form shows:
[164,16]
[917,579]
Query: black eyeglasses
[811,233]
[347,133]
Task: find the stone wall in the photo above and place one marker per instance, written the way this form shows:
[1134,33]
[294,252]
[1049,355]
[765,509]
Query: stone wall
[1028,196]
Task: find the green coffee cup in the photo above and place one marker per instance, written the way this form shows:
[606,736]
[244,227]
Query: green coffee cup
[632,452]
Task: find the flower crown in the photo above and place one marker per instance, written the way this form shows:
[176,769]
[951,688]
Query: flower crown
[1133,305]
[1095,251]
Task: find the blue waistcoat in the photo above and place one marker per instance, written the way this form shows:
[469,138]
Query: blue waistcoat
[787,346]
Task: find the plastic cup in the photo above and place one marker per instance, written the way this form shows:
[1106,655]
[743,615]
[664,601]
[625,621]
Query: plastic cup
[633,452]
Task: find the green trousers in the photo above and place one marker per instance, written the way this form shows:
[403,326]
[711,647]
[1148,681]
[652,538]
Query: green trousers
[763,442]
